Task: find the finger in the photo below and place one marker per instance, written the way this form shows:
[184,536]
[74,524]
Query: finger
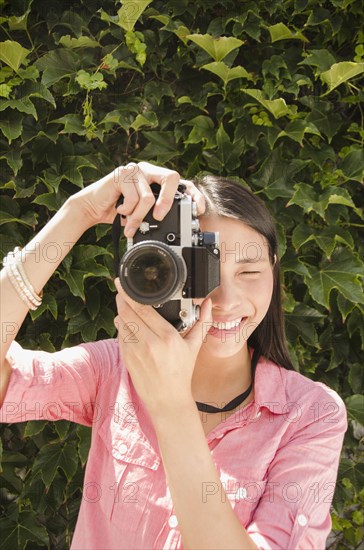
[146,316]
[168,180]
[169,185]
[198,332]
[145,202]
[127,332]
[126,180]
[196,196]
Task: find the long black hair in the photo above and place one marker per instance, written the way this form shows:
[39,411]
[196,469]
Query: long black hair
[228,198]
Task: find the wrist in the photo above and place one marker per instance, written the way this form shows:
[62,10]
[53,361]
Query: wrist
[72,209]
[175,412]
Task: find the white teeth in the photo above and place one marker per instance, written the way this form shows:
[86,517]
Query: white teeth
[226,326]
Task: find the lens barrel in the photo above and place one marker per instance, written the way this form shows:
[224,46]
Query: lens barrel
[152,273]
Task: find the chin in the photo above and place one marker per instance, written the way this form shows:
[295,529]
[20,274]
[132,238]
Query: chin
[219,348]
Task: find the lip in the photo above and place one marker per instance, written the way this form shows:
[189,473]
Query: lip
[222,333]
[227,319]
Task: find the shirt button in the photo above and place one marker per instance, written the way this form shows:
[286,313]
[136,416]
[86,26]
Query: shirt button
[241,493]
[173,522]
[302,520]
[123,449]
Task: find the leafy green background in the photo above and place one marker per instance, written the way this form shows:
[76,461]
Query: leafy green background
[266,92]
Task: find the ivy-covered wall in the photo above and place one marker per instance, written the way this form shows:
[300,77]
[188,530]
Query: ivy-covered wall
[266,92]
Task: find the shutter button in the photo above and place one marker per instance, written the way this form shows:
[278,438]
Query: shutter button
[302,520]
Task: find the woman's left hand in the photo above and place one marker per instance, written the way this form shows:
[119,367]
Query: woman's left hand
[160,361]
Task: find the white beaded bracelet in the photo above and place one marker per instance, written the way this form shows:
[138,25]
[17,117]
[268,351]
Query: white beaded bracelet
[19,264]
[18,289]
[14,268]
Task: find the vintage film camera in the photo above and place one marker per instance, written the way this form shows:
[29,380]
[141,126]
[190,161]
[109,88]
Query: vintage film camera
[168,263]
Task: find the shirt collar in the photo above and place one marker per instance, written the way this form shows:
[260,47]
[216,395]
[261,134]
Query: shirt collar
[270,387]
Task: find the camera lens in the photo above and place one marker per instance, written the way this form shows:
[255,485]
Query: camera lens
[151,272]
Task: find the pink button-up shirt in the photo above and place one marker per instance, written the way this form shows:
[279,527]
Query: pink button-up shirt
[277,458]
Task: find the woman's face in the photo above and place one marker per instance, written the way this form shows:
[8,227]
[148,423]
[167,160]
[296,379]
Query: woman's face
[242,300]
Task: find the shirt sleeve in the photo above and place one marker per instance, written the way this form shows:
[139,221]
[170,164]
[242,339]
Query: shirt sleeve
[294,511]
[61,385]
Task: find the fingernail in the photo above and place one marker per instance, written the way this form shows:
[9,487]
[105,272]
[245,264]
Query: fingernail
[129,231]
[159,213]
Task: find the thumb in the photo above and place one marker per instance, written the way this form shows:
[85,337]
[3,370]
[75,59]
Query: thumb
[197,334]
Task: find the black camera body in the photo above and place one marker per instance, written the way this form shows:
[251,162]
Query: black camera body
[168,263]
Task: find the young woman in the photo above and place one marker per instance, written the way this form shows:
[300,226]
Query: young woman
[206,439]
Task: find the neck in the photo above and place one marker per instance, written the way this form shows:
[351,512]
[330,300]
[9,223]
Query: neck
[221,378]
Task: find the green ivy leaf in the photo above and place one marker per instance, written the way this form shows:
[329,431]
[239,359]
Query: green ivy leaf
[301,323]
[355,322]
[49,303]
[226,73]
[352,165]
[84,436]
[29,219]
[301,235]
[34,427]
[340,73]
[280,31]
[341,273]
[217,48]
[51,200]
[14,160]
[13,54]
[354,472]
[162,147]
[19,23]
[37,89]
[73,124]
[296,129]
[93,302]
[356,376]
[146,119]
[53,456]
[276,176]
[75,279]
[203,131]
[5,90]
[308,200]
[25,528]
[355,407]
[45,343]
[84,266]
[130,12]
[331,236]
[89,81]
[322,59]
[277,107]
[56,65]
[322,116]
[62,427]
[11,125]
[23,105]
[82,42]
[327,239]
[89,328]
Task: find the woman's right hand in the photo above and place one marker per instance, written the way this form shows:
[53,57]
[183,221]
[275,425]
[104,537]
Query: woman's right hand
[97,201]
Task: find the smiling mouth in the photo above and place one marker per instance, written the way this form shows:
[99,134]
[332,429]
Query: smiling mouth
[230,327]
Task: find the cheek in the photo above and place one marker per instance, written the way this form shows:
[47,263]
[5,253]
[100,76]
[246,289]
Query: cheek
[263,291]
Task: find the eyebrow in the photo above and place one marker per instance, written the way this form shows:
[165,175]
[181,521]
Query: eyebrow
[251,261]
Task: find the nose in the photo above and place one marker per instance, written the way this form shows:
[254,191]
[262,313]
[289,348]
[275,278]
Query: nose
[225,297]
